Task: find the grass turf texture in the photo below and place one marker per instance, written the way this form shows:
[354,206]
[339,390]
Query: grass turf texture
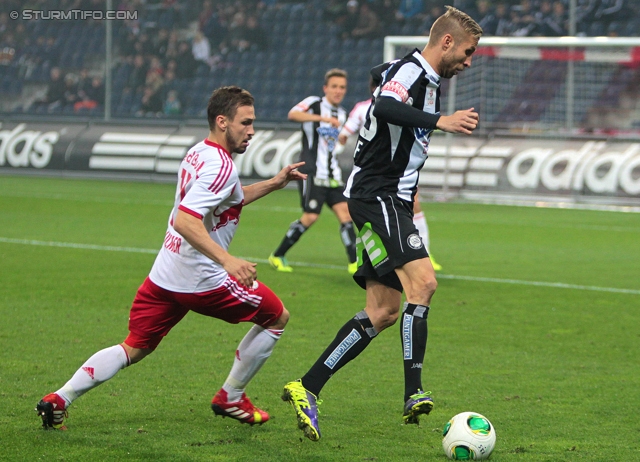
[555,369]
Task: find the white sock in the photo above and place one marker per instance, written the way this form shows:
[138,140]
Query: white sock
[420,223]
[97,369]
[253,351]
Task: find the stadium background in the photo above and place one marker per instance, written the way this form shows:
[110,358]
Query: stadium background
[533,322]
[281,58]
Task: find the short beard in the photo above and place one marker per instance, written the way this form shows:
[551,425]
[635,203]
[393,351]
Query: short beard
[232,148]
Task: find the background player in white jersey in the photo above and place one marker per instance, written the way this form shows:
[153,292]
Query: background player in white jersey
[391,150]
[321,119]
[194,271]
[354,123]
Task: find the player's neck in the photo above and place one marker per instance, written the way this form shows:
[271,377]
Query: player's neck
[432,57]
[219,139]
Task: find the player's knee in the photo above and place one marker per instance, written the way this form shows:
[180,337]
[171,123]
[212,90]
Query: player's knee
[383,318]
[422,289]
[136,355]
[282,321]
[431,284]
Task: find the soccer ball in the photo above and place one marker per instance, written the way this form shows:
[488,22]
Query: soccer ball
[468,436]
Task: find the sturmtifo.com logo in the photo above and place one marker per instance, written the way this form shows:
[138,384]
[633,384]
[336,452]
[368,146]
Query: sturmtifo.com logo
[73,14]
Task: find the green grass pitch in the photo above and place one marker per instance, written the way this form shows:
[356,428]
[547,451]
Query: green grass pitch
[535,324]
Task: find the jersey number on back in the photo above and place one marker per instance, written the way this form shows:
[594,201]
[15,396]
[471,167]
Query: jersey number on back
[185,178]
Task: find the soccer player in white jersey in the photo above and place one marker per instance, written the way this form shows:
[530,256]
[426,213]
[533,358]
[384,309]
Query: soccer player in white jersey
[321,119]
[352,126]
[194,271]
[391,149]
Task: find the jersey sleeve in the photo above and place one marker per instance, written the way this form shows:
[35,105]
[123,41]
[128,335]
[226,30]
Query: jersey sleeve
[356,118]
[305,104]
[215,183]
[399,86]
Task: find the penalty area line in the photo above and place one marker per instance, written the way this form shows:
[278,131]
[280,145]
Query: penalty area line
[109,248]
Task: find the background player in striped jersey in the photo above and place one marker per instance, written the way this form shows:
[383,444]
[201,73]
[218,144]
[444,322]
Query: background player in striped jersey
[391,150]
[352,126]
[194,271]
[321,119]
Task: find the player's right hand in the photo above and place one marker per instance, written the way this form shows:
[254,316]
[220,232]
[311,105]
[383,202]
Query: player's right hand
[244,271]
[464,122]
[333,121]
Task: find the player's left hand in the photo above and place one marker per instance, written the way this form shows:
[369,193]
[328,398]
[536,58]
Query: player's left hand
[287,174]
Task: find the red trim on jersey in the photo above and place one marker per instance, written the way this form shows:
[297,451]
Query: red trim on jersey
[223,175]
[216,145]
[190,212]
[398,89]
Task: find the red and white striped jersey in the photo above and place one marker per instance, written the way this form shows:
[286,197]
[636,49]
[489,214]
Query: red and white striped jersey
[356,119]
[209,189]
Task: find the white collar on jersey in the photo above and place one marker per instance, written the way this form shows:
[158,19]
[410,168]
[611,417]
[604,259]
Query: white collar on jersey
[427,67]
[324,100]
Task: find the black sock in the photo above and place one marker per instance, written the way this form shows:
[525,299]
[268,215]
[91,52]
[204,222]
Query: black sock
[413,333]
[348,235]
[351,340]
[296,229]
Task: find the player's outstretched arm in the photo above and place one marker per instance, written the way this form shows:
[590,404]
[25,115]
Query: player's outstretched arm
[192,229]
[301,117]
[257,190]
[463,122]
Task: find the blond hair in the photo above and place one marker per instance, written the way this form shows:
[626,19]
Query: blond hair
[454,22]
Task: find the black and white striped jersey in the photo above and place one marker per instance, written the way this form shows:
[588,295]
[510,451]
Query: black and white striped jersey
[388,157]
[319,139]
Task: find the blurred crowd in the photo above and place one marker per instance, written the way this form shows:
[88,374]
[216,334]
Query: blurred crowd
[176,39]
[520,18]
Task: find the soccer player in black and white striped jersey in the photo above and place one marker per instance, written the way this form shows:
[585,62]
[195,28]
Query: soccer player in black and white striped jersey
[353,125]
[321,119]
[391,150]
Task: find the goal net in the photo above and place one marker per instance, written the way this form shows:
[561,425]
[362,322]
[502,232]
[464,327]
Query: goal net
[558,119]
[528,83]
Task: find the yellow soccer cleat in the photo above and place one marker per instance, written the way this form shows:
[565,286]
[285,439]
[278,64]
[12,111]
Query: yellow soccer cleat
[280,264]
[306,406]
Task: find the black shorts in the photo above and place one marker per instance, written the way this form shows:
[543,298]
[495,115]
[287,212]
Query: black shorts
[387,239]
[313,197]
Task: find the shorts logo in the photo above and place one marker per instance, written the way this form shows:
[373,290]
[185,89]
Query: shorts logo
[414,241]
[313,203]
[341,349]
[370,241]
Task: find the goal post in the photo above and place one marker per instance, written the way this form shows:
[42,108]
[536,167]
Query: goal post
[559,116]
[551,82]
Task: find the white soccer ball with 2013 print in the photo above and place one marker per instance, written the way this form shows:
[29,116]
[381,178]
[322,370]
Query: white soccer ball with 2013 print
[468,436]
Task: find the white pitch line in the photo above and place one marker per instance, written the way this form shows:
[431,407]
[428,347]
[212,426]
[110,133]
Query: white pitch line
[72,245]
[558,285]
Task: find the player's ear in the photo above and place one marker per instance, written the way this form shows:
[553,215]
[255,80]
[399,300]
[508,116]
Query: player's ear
[447,42]
[221,122]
